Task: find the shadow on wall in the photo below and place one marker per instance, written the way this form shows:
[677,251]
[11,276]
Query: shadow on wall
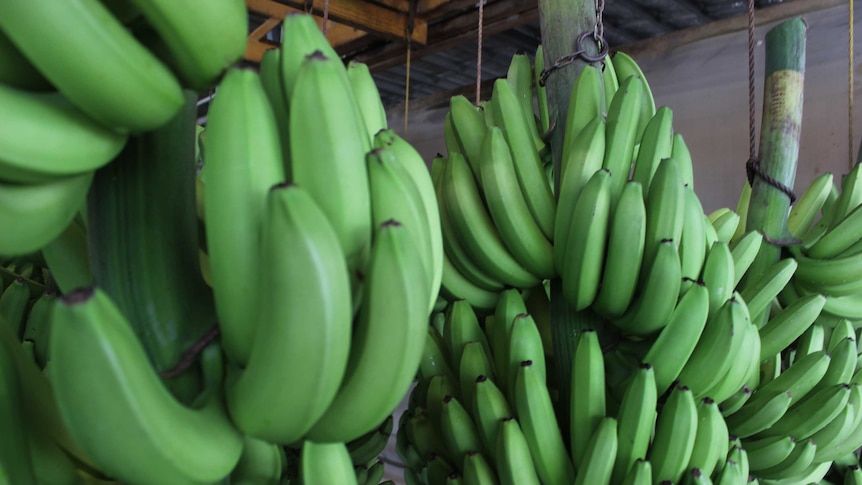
[706,85]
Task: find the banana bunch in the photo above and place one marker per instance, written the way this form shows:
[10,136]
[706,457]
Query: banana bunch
[68,114]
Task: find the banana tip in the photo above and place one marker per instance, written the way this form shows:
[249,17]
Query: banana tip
[79,295]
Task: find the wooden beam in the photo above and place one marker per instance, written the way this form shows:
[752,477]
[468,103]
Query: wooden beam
[370,18]
[254,50]
[437,8]
[264,28]
[499,16]
[656,46]
[441,99]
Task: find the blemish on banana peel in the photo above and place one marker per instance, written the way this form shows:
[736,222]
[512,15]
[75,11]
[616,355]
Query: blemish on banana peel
[784,112]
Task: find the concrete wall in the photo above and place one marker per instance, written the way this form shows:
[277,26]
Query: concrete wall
[706,85]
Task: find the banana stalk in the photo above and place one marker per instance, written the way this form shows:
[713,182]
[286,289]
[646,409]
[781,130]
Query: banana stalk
[781,124]
[142,222]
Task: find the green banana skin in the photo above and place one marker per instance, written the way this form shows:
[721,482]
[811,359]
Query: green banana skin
[626,66]
[51,138]
[536,414]
[624,253]
[302,263]
[455,286]
[795,463]
[640,473]
[588,405]
[744,367]
[584,159]
[39,212]
[834,432]
[811,414]
[425,435]
[600,453]
[16,71]
[768,452]
[273,86]
[807,207]
[475,362]
[676,342]
[743,253]
[489,408]
[726,224]
[15,457]
[610,83]
[588,226]
[624,118]
[132,400]
[586,104]
[541,91]
[520,78]
[655,146]
[751,419]
[675,433]
[138,95]
[760,293]
[461,327]
[38,325]
[260,463]
[509,209]
[711,438]
[692,244]
[635,421]
[525,343]
[735,402]
[459,432]
[326,464]
[680,152]
[367,97]
[514,462]
[369,446]
[376,382]
[68,258]
[477,470]
[14,302]
[781,330]
[468,128]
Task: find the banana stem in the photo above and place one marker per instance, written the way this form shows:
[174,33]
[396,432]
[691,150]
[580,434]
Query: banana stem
[561,21]
[781,124]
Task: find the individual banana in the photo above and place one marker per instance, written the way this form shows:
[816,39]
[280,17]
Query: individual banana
[477,471]
[675,433]
[68,258]
[796,462]
[520,78]
[14,303]
[456,286]
[261,462]
[367,97]
[624,118]
[138,93]
[541,91]
[635,421]
[841,366]
[16,71]
[588,233]
[805,210]
[836,431]
[325,463]
[710,443]
[625,66]
[468,128]
[588,405]
[301,258]
[624,253]
[475,362]
[586,104]
[49,138]
[584,159]
[768,452]
[735,469]
[712,356]
[461,327]
[781,330]
[489,407]
[369,446]
[38,325]
[665,206]
[509,305]
[528,164]
[273,86]
[458,430]
[743,254]
[377,381]
[241,167]
[525,343]
[735,402]
[515,464]
[692,243]
[655,145]
[679,151]
[812,413]
[320,96]
[759,293]
[744,368]
[599,455]
[474,226]
[610,83]
[15,457]
[536,415]
[725,224]
[640,473]
[653,306]
[94,353]
[678,339]
[508,207]
[39,212]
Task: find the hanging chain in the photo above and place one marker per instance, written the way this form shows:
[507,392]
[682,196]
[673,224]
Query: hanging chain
[479,53]
[599,30]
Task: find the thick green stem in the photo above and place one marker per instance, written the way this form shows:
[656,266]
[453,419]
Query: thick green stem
[781,126]
[562,21]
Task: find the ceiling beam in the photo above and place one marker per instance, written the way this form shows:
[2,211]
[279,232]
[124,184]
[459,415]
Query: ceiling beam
[365,16]
[264,28]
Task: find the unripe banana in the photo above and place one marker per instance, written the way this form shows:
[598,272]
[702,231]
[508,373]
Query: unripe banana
[468,130]
[805,210]
[68,258]
[509,305]
[588,394]
[489,408]
[261,462]
[16,71]
[626,66]
[586,102]
[477,470]
[514,463]
[718,275]
[304,36]
[15,458]
[599,455]
[710,443]
[640,473]
[679,152]
[797,462]
[781,330]
[767,452]
[325,464]
[462,326]
[458,430]
[475,362]
[367,97]
[759,293]
[623,133]
[520,78]
[655,146]
[636,420]
[541,91]
[675,432]
[692,244]
[812,413]
[13,306]
[743,253]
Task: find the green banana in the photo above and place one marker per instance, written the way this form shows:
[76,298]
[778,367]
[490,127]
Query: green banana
[39,212]
[610,83]
[509,209]
[536,415]
[462,326]
[302,33]
[489,407]
[525,343]
[541,91]
[515,465]
[376,381]
[599,455]
[138,93]
[300,257]
[68,258]
[14,302]
[528,164]
[665,207]
[456,286]
[710,443]
[367,97]
[736,402]
[624,114]
[735,468]
[104,383]
[585,158]
[241,167]
[326,463]
[425,435]
[458,430]
[16,71]
[520,78]
[588,405]
[475,362]
[624,253]
[767,452]
[677,340]
[841,366]
[320,96]
[655,145]
[759,293]
[477,470]
[640,473]
[692,243]
[626,66]
[679,151]
[812,413]
[273,87]
[587,236]
[743,253]
[38,325]
[725,224]
[804,212]
[474,226]
[261,462]
[15,458]
[744,367]
[635,421]
[836,431]
[675,433]
[653,306]
[49,138]
[586,103]
[468,128]
[781,330]
[797,462]
[370,445]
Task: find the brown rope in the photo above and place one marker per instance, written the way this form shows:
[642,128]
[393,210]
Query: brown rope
[325,16]
[850,85]
[479,53]
[189,356]
[409,34]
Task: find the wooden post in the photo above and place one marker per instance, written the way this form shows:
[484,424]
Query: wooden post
[781,124]
[561,22]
